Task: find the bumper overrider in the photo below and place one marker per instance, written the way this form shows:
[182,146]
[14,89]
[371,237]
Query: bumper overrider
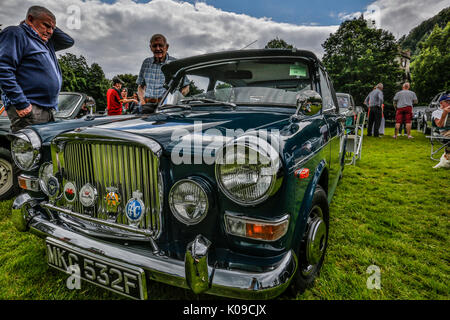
[194,273]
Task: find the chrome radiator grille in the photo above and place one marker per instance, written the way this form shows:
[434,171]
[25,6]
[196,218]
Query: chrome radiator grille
[123,168]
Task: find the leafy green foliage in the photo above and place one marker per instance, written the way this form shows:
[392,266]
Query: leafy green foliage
[421,32]
[278,43]
[358,57]
[193,89]
[129,82]
[431,67]
[78,76]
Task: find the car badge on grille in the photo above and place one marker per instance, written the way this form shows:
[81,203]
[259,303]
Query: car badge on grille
[112,199]
[88,195]
[52,186]
[135,208]
[70,192]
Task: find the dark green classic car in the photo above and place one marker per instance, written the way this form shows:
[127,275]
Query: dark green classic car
[224,192]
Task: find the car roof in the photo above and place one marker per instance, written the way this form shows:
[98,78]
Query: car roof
[173,67]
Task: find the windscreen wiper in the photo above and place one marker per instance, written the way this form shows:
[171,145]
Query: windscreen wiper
[172,106]
[194,99]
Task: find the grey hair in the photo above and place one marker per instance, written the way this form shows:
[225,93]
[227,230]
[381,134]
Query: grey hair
[158,36]
[380,85]
[38,11]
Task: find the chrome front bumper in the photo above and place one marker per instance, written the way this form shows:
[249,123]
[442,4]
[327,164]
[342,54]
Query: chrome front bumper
[194,273]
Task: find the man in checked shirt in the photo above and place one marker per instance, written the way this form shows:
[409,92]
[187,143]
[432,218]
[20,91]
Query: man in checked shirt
[151,79]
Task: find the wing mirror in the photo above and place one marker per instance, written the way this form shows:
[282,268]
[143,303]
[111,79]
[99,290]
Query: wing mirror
[90,105]
[309,103]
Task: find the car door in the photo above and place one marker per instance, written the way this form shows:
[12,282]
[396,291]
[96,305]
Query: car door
[335,131]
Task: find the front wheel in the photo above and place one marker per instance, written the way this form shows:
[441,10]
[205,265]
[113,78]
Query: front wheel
[312,249]
[8,182]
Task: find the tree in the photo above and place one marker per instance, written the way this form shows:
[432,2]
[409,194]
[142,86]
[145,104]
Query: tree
[423,30]
[278,43]
[358,57]
[75,72]
[98,85]
[430,68]
[78,76]
[194,90]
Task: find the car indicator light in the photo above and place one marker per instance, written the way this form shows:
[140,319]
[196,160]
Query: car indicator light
[302,173]
[257,229]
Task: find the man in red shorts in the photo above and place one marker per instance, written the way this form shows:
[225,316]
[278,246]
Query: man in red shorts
[403,102]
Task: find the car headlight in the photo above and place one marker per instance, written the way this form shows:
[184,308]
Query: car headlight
[189,200]
[25,149]
[248,170]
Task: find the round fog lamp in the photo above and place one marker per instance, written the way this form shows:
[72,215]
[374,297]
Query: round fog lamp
[188,201]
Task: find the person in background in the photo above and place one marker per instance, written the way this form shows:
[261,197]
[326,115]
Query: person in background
[151,79]
[374,101]
[113,98]
[382,122]
[440,116]
[403,102]
[135,106]
[126,101]
[30,76]
[402,129]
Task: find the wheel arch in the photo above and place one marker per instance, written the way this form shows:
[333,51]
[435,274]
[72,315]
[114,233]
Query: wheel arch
[320,178]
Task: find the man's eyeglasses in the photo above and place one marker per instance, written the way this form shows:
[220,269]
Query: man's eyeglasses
[157,45]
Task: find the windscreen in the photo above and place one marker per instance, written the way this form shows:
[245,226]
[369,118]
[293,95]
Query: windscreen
[250,82]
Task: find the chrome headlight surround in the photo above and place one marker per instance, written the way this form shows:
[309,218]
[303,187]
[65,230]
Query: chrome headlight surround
[45,173]
[26,149]
[200,194]
[249,157]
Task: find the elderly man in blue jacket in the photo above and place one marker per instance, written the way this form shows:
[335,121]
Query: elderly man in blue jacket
[30,77]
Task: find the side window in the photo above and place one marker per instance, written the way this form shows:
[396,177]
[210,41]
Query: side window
[325,92]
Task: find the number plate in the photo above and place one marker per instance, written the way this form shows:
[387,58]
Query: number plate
[118,277]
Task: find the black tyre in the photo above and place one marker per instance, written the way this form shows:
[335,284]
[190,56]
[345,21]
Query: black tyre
[8,180]
[424,127]
[314,243]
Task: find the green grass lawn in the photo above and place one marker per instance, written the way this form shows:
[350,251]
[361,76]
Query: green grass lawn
[391,210]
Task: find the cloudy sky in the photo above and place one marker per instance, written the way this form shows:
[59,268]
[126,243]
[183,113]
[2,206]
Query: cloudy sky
[115,33]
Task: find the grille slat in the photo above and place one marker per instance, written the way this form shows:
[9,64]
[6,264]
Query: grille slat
[127,168]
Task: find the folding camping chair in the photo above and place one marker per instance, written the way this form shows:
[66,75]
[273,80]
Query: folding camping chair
[437,140]
[355,132]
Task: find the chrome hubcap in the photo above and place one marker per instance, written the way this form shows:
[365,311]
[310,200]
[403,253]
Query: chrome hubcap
[6,178]
[315,240]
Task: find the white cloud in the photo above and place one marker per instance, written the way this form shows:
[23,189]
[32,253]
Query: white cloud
[116,35]
[399,16]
